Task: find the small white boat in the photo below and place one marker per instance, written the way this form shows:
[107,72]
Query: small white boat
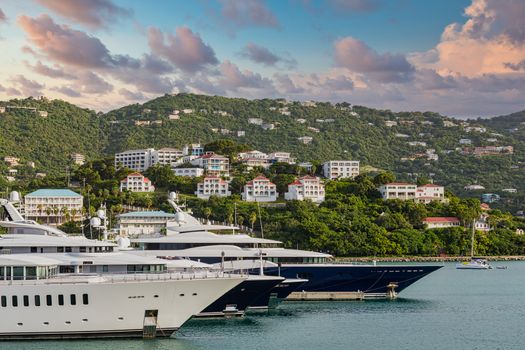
[474,264]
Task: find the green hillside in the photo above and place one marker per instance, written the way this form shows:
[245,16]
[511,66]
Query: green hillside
[339,131]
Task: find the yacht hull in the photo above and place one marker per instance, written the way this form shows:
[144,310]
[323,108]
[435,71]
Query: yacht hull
[368,279]
[109,307]
[237,300]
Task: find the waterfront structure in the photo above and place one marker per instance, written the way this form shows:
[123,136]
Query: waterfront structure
[53,206]
[260,189]
[190,172]
[441,222]
[336,169]
[78,158]
[306,188]
[143,222]
[136,182]
[212,186]
[214,164]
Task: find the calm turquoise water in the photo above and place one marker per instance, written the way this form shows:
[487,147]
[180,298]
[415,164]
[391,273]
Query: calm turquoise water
[450,309]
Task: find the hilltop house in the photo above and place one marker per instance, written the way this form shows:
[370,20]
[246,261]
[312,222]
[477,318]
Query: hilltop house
[260,189]
[441,222]
[136,182]
[306,188]
[336,169]
[52,206]
[212,186]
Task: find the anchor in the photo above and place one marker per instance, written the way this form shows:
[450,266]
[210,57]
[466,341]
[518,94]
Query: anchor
[391,290]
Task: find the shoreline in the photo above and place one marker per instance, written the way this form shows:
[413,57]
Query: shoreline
[428,258]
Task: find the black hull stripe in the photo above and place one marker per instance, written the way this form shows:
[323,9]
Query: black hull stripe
[127,333]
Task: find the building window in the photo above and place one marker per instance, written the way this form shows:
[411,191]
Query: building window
[73,299]
[85,299]
[4,301]
[26,300]
[14,300]
[60,299]
[37,300]
[49,300]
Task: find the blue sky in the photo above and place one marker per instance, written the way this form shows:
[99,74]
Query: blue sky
[457,57]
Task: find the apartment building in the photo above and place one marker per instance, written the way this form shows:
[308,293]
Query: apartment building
[138,160]
[429,193]
[190,172]
[337,169]
[53,206]
[166,156]
[213,164]
[78,159]
[398,190]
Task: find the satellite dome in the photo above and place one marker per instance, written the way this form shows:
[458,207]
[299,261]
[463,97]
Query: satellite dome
[14,196]
[101,213]
[179,217]
[173,196]
[95,222]
[123,242]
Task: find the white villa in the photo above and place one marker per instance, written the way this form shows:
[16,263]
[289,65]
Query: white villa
[260,189]
[214,164]
[212,186]
[429,193]
[441,222]
[407,191]
[306,187]
[190,172]
[136,182]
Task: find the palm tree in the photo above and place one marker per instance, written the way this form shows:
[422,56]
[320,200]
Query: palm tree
[207,213]
[65,212]
[56,210]
[253,218]
[49,210]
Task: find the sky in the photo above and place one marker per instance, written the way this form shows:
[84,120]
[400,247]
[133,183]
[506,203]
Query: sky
[462,58]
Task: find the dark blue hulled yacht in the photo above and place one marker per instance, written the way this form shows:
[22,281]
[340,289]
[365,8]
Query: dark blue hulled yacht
[187,238]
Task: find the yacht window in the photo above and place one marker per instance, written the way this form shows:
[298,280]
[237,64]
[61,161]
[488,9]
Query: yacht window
[68,249]
[3,300]
[73,299]
[2,273]
[34,250]
[14,300]
[85,299]
[37,300]
[60,249]
[82,249]
[60,299]
[105,268]
[31,273]
[49,300]
[18,272]
[26,300]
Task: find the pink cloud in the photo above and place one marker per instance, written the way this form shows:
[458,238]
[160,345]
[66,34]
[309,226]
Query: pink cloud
[26,86]
[260,54]
[233,79]
[56,72]
[245,13]
[63,44]
[92,13]
[358,57]
[185,49]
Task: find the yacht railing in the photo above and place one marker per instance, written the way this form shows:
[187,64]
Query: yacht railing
[87,278]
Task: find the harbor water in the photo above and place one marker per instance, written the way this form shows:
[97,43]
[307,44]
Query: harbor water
[449,309]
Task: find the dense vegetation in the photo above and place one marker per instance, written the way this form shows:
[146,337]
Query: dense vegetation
[339,131]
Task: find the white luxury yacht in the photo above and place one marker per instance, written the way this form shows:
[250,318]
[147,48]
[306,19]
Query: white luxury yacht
[37,301]
[79,255]
[186,237]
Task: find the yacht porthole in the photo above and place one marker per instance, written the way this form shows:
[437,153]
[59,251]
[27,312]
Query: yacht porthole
[20,324]
[84,320]
[68,322]
[46,323]
[155,296]
[181,295]
[121,318]
[194,294]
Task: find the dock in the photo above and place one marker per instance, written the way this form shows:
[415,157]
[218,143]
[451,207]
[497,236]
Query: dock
[324,296]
